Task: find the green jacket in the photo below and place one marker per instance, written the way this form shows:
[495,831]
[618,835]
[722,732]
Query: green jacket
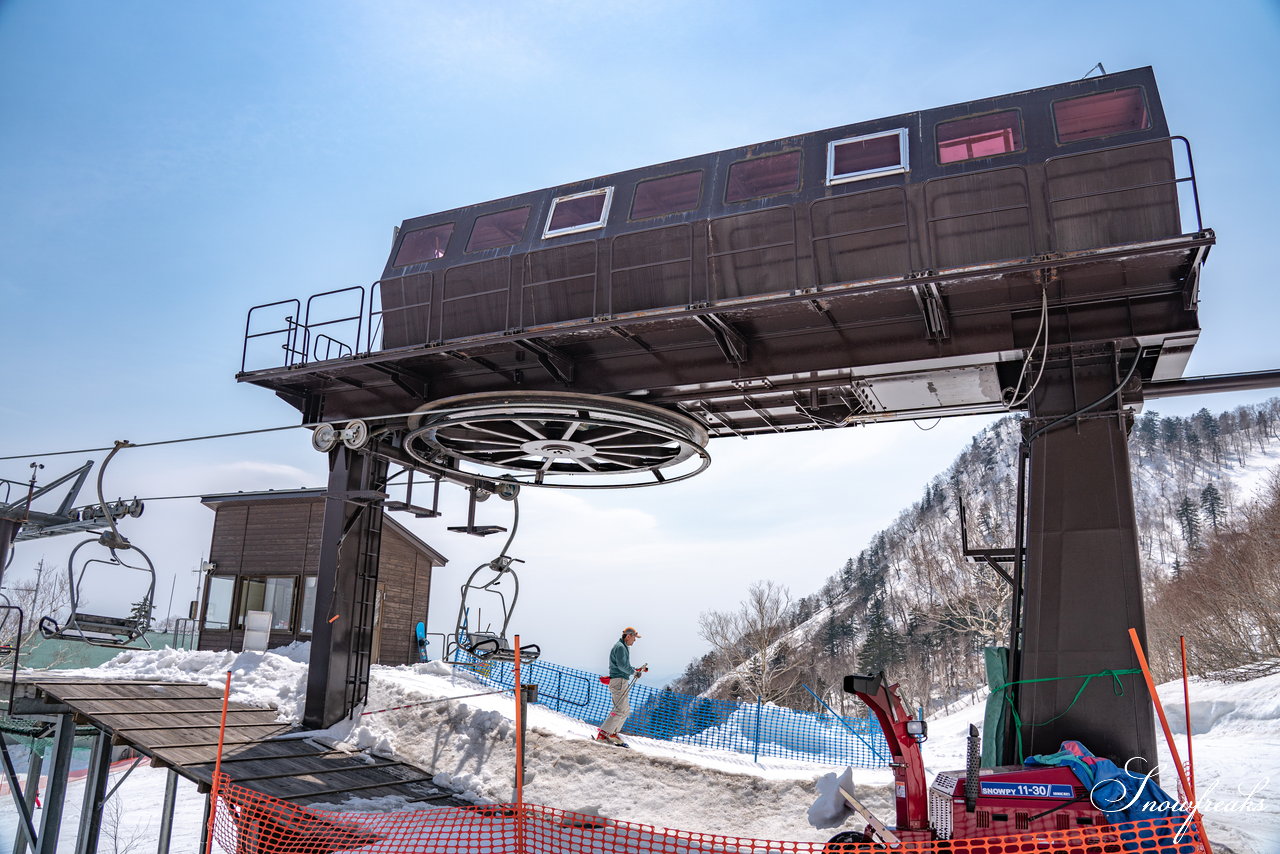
[620,662]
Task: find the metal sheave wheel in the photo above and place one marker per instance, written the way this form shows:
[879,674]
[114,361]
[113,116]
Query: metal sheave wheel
[324,438]
[572,441]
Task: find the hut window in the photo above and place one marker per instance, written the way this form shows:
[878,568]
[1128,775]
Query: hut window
[672,194]
[217,604]
[980,136]
[763,176]
[272,593]
[425,244]
[498,229]
[1101,115]
[307,616]
[860,157]
[579,212]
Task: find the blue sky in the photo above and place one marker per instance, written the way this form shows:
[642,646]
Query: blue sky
[165,166]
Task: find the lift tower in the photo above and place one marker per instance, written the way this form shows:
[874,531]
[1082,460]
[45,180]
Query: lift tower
[1038,251]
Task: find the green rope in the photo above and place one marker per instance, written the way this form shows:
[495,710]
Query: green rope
[1117,688]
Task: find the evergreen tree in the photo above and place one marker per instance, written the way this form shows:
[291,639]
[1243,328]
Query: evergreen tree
[1211,503]
[1189,518]
[882,648]
[140,613]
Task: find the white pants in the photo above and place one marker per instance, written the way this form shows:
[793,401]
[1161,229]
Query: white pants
[619,689]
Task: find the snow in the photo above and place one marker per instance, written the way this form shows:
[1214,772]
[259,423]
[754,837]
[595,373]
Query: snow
[467,741]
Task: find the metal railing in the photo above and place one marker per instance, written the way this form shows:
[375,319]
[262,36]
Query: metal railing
[755,728]
[186,633]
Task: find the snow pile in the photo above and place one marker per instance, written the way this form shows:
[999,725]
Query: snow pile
[269,679]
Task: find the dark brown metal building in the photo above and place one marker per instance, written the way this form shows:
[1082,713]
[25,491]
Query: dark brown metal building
[265,554]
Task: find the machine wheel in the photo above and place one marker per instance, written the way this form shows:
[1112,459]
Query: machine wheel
[548,438]
[848,841]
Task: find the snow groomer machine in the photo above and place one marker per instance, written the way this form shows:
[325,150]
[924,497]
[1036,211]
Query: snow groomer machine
[966,804]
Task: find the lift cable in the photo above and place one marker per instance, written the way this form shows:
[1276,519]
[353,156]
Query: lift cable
[311,425]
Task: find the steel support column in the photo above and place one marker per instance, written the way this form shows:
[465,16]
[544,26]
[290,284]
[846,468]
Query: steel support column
[166,812]
[55,794]
[341,642]
[8,531]
[35,763]
[1083,587]
[95,792]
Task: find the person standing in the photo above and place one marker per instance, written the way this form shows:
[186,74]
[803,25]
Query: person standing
[620,675]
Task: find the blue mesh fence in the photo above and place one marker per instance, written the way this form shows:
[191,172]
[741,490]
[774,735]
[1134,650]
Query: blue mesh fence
[759,729]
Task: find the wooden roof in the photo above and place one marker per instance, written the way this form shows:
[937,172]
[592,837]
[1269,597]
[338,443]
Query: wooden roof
[318,493]
[176,725]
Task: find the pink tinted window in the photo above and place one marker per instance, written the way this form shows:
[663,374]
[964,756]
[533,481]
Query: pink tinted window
[980,136]
[424,244]
[879,153]
[763,176]
[667,195]
[1101,115]
[498,229]
[583,210]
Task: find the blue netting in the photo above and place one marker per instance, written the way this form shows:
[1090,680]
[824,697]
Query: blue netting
[759,729]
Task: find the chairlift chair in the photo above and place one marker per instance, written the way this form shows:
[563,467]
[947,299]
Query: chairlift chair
[98,629]
[488,645]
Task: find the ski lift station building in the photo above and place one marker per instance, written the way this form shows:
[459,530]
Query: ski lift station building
[265,555]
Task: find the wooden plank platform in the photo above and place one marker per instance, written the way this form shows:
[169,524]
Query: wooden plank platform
[176,725]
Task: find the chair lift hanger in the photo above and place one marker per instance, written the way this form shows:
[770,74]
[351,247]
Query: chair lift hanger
[97,629]
[488,645]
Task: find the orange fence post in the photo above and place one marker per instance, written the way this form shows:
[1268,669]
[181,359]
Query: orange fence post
[217,765]
[1168,736]
[1186,704]
[519,795]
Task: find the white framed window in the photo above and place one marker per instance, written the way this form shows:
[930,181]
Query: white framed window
[578,212]
[857,158]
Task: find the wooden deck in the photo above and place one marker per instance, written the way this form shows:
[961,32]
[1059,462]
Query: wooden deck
[176,725]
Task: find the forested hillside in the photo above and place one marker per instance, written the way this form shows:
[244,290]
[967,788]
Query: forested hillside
[1208,511]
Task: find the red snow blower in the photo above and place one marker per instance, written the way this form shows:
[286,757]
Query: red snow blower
[967,804]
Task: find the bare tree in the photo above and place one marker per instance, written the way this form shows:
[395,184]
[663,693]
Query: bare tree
[750,641]
[117,836]
[48,592]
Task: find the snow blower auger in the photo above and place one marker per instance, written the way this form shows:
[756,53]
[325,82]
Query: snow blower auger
[967,804]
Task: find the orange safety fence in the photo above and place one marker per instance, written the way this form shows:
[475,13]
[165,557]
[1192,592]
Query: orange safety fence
[247,822]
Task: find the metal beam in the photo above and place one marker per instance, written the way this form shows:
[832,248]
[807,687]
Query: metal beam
[23,799]
[1212,384]
[55,794]
[95,794]
[728,339]
[339,666]
[1083,581]
[166,812]
[552,360]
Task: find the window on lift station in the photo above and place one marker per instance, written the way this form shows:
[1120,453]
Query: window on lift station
[307,616]
[1103,114]
[979,136]
[579,212]
[763,176]
[498,229]
[425,244]
[861,157]
[268,593]
[672,194]
[217,604]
